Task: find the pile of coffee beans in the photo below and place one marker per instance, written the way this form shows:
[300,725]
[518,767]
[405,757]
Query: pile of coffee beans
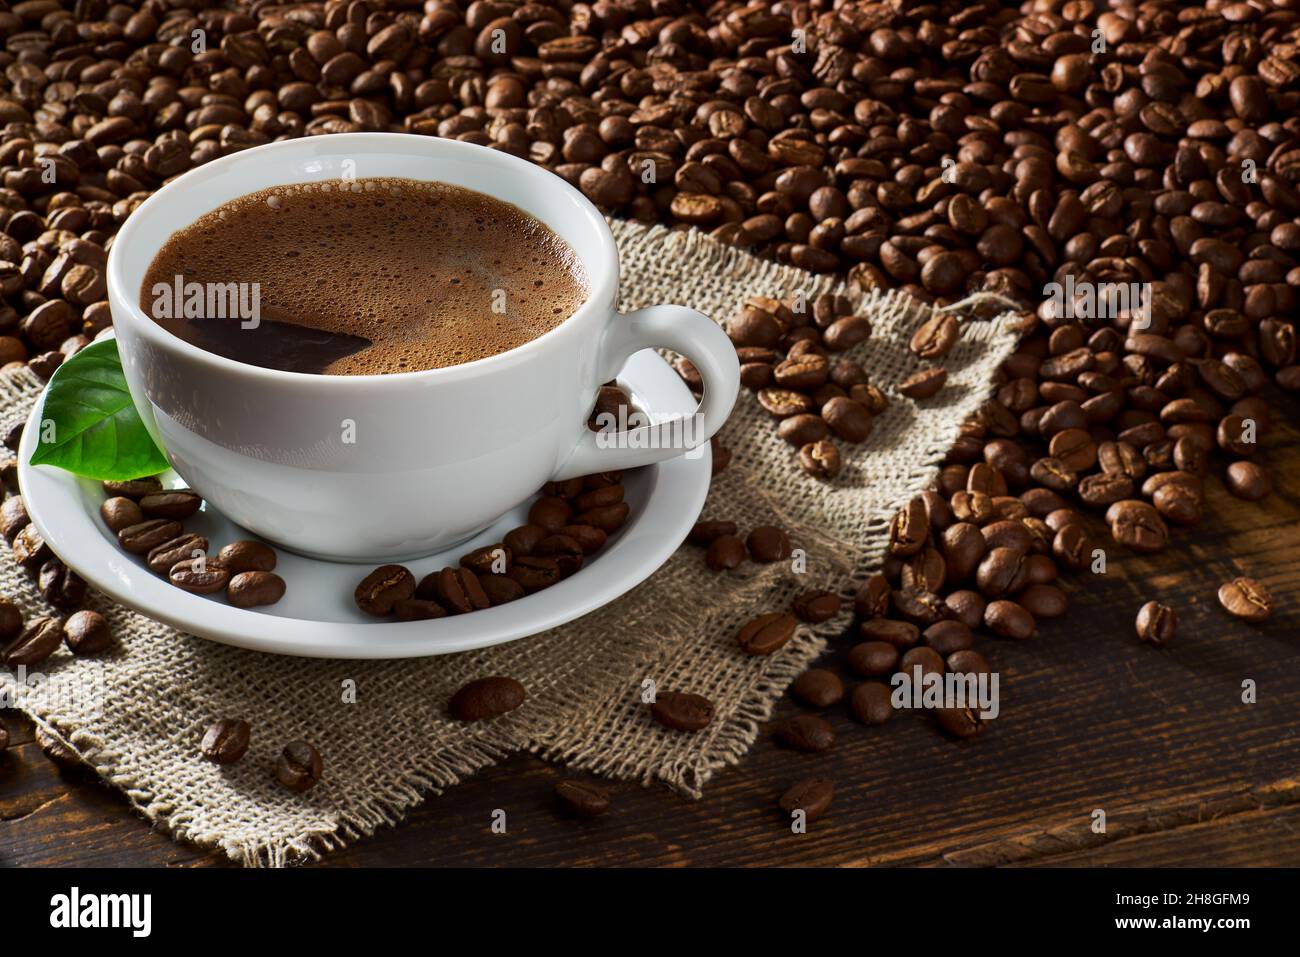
[568,522]
[148,521]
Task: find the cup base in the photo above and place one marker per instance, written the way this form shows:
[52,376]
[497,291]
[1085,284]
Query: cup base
[385,558]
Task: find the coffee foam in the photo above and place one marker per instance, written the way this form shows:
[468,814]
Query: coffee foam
[432,275]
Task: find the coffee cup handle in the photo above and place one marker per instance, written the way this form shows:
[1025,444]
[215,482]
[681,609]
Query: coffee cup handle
[684,331]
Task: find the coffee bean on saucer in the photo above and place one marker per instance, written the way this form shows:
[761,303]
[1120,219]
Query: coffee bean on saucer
[87,633]
[145,536]
[766,633]
[923,384]
[704,533]
[500,589]
[682,711]
[568,554]
[521,540]
[599,498]
[582,798]
[486,698]
[177,503]
[767,543]
[11,620]
[550,513]
[225,741]
[171,553]
[818,688]
[247,555]
[1156,623]
[589,538]
[806,732]
[120,512]
[725,553]
[29,548]
[871,703]
[1247,599]
[534,573]
[13,517]
[488,560]
[134,488]
[811,796]
[608,518]
[383,588]
[821,460]
[34,644]
[419,609]
[816,607]
[60,585]
[458,590]
[199,576]
[253,589]
[299,767]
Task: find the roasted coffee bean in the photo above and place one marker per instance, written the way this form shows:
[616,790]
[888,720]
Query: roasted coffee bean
[872,703]
[13,517]
[1138,526]
[872,599]
[456,589]
[247,555]
[1000,572]
[806,732]
[821,460]
[60,585]
[682,711]
[967,662]
[1156,623]
[1248,481]
[299,767]
[1178,503]
[847,419]
[935,337]
[926,659]
[550,514]
[254,589]
[818,688]
[1105,488]
[383,588]
[178,503]
[767,543]
[1043,601]
[766,633]
[225,741]
[725,553]
[803,429]
[909,531]
[783,403]
[29,549]
[582,798]
[1245,598]
[485,698]
[811,796]
[566,552]
[169,554]
[704,533]
[816,607]
[422,609]
[945,637]
[610,518]
[960,722]
[921,608]
[900,634]
[118,513]
[135,489]
[872,659]
[36,642]
[199,576]
[1071,547]
[523,539]
[11,620]
[142,538]
[1009,620]
[966,607]
[923,384]
[534,573]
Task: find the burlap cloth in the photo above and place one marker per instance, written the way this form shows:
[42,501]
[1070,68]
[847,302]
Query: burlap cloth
[392,747]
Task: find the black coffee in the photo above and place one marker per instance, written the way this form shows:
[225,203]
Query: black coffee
[367,277]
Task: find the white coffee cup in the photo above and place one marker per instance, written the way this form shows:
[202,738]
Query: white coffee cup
[391,467]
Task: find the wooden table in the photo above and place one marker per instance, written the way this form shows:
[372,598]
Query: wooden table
[1159,740]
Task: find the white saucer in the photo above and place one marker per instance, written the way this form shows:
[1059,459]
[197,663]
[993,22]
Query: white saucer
[317,616]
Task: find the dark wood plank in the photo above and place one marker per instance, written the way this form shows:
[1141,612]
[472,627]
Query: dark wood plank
[1158,739]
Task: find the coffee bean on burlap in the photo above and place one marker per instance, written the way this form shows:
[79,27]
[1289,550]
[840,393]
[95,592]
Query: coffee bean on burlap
[682,711]
[384,587]
[299,767]
[486,698]
[225,741]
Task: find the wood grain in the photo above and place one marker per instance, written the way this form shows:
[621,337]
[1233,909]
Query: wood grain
[1160,740]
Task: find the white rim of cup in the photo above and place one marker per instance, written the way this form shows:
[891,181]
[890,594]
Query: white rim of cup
[602,276]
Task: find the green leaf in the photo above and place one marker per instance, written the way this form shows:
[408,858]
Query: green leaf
[89,424]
